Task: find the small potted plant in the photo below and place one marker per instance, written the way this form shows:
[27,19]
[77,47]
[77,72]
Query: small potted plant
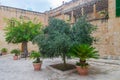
[103,14]
[83,52]
[4,51]
[16,53]
[37,62]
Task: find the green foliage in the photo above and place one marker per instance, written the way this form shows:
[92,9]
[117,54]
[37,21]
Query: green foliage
[16,52]
[83,51]
[104,14]
[58,37]
[21,31]
[35,55]
[82,32]
[4,50]
[55,40]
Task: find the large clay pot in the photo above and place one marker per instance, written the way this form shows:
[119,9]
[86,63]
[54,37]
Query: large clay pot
[15,57]
[82,70]
[37,66]
[4,53]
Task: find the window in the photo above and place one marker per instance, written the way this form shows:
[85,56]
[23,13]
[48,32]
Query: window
[12,23]
[117,8]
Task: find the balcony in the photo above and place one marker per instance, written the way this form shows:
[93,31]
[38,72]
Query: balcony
[94,10]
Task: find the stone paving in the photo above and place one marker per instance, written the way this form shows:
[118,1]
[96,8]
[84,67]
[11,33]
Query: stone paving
[23,70]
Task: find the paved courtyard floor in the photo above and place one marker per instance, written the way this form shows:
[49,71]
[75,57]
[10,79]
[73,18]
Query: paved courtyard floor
[23,70]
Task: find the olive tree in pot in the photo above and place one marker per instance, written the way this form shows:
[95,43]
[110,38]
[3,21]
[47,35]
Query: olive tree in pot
[4,51]
[16,53]
[83,52]
[55,41]
[37,63]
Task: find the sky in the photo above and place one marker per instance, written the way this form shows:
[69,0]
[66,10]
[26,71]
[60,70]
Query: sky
[34,5]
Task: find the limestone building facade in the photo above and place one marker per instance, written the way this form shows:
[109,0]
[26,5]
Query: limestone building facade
[101,13]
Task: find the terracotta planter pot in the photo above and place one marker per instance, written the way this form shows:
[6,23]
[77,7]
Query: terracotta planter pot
[102,15]
[82,70]
[37,66]
[15,57]
[4,53]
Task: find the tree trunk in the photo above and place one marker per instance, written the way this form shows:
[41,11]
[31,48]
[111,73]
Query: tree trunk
[82,61]
[22,47]
[38,60]
[25,49]
[64,59]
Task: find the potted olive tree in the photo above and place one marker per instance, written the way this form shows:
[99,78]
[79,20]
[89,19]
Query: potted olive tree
[83,52]
[16,53]
[37,62]
[4,51]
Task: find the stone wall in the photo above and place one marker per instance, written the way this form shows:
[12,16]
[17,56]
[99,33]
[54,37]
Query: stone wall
[101,36]
[108,32]
[114,27]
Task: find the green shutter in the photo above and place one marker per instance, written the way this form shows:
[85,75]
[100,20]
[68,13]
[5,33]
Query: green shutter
[117,8]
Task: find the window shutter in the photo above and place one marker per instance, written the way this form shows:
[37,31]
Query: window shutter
[117,8]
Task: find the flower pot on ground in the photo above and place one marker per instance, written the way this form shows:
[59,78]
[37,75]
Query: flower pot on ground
[82,68]
[37,63]
[4,51]
[16,53]
[83,52]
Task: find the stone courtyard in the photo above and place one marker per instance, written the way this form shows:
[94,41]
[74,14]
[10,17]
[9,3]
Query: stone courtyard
[22,69]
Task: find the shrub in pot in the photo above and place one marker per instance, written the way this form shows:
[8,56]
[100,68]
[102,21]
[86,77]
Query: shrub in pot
[103,14]
[4,51]
[83,52]
[37,62]
[16,53]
